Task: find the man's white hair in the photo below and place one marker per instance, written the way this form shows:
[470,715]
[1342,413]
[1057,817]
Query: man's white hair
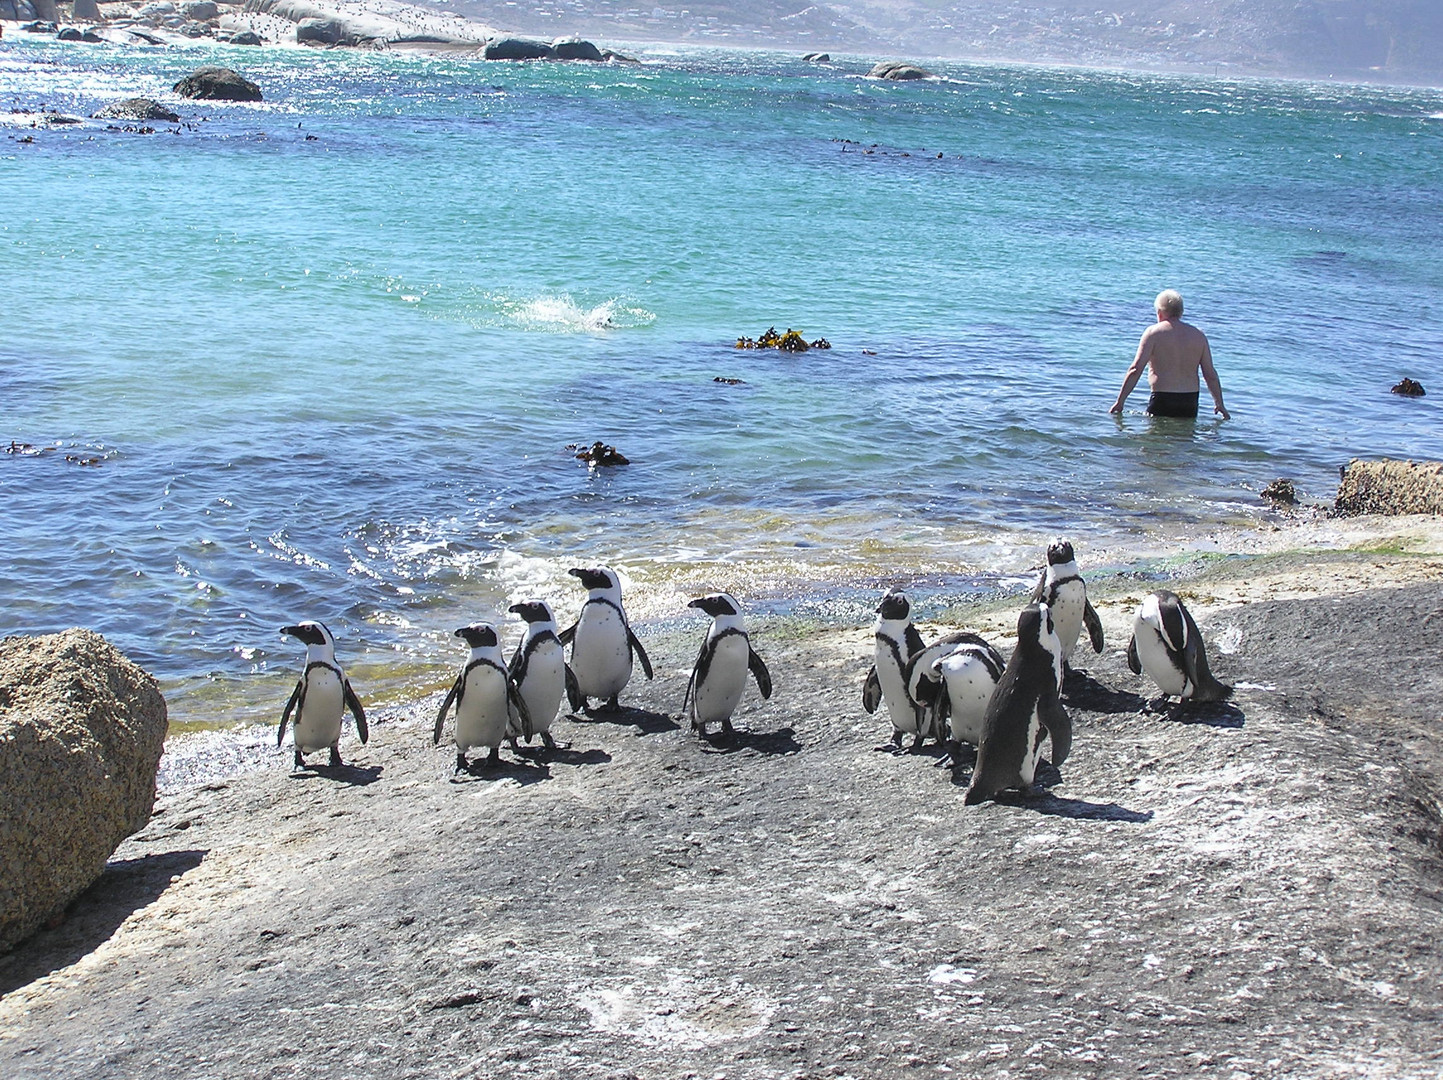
[1169,302]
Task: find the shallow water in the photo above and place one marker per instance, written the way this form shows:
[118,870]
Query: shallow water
[330,350]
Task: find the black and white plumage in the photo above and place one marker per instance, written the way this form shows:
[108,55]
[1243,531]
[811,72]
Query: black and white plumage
[321,697]
[486,699]
[1167,645]
[895,641]
[1064,592]
[1025,709]
[601,639]
[538,668]
[720,673]
[955,677]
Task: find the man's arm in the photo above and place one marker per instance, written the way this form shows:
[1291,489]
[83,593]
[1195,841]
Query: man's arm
[1210,376]
[1139,365]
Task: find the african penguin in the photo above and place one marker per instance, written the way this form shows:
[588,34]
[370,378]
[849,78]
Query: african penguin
[601,640]
[720,673]
[895,640]
[1064,592]
[320,698]
[955,676]
[538,667]
[486,699]
[1167,645]
[1025,709]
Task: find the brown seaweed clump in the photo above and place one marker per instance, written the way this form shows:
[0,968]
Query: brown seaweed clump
[599,454]
[1409,388]
[791,341]
[1281,491]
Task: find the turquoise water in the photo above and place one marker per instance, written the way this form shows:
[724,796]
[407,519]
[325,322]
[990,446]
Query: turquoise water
[330,350]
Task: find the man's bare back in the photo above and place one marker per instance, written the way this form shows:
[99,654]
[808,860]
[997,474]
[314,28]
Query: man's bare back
[1172,352]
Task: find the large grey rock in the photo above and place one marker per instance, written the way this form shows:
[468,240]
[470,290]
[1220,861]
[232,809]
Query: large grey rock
[217,84]
[81,733]
[898,70]
[323,31]
[136,108]
[575,49]
[200,10]
[514,48]
[245,37]
[85,11]
[1390,487]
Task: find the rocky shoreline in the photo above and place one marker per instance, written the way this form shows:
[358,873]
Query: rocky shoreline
[1245,889]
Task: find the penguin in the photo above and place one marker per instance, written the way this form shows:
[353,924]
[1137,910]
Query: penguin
[720,673]
[321,697]
[486,699]
[1167,645]
[1064,592]
[539,670]
[895,642]
[1025,708]
[955,676]
[601,640]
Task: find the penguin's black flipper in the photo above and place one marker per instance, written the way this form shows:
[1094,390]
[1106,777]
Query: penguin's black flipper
[513,666]
[570,632]
[698,672]
[354,704]
[871,690]
[1133,662]
[1195,660]
[1093,624]
[296,695]
[639,651]
[573,690]
[760,673]
[1059,726]
[518,703]
[451,695]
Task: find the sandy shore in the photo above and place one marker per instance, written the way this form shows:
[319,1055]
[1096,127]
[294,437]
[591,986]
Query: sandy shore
[1248,889]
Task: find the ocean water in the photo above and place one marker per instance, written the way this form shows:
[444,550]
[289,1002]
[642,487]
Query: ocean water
[322,357]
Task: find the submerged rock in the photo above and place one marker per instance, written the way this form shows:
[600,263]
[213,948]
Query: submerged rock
[818,58]
[1390,487]
[81,733]
[600,454]
[1409,388]
[217,84]
[898,70]
[136,108]
[245,37]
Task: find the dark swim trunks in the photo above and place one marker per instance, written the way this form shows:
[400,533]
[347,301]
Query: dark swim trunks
[1184,405]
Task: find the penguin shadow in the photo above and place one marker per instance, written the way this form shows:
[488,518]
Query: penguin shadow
[523,772]
[354,775]
[1081,691]
[563,755]
[125,886]
[1217,714]
[645,721]
[767,743]
[1080,809]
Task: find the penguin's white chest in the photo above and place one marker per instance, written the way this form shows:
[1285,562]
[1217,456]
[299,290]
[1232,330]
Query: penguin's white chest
[601,652]
[890,678]
[482,714]
[1069,600]
[1033,748]
[716,697]
[318,724]
[970,683]
[545,684]
[1152,654]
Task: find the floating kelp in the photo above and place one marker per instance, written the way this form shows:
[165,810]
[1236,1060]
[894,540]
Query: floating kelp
[1409,388]
[599,454]
[727,380]
[791,341]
